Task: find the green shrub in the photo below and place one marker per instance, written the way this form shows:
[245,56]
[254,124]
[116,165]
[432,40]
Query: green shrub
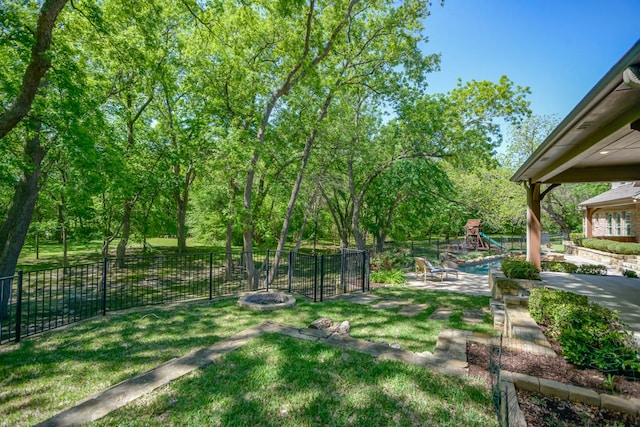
[623,248]
[387,261]
[630,273]
[515,268]
[576,238]
[590,335]
[389,277]
[545,304]
[560,267]
[592,269]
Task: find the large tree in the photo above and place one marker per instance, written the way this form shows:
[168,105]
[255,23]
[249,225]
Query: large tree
[39,61]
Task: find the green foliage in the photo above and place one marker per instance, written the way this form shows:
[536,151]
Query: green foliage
[515,268]
[545,304]
[576,238]
[590,335]
[560,267]
[390,277]
[611,246]
[592,269]
[630,273]
[388,260]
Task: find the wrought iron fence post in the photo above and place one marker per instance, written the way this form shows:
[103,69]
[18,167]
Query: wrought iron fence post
[343,260]
[321,277]
[19,307]
[210,275]
[290,272]
[412,250]
[104,286]
[364,264]
[266,269]
[315,278]
[438,249]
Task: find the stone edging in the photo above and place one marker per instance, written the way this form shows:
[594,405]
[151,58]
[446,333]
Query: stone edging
[572,393]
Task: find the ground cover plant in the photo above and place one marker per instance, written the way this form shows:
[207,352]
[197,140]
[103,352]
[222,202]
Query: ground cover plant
[389,267]
[590,335]
[46,374]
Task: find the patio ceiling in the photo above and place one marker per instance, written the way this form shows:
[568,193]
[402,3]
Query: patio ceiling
[599,140]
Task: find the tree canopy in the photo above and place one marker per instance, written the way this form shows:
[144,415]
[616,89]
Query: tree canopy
[253,123]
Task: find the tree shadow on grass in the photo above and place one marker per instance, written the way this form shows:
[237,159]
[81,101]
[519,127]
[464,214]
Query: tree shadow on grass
[55,370]
[279,381]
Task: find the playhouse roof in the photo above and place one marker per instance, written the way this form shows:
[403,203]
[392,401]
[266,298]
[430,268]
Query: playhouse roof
[474,223]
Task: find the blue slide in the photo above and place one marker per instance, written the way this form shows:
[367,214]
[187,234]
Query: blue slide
[491,241]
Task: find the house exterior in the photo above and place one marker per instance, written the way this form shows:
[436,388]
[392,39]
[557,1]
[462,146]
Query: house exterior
[598,141]
[614,214]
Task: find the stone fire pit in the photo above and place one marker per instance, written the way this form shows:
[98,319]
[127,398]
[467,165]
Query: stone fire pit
[267,301]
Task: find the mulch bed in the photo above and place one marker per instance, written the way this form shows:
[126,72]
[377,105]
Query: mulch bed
[545,411]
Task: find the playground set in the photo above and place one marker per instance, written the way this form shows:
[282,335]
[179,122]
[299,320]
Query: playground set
[475,239]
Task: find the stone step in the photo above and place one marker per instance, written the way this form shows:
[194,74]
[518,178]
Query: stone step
[516,301]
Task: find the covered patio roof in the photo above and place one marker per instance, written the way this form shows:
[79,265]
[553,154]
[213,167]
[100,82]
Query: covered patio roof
[599,140]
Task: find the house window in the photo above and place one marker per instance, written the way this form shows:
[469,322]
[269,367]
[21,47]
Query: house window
[627,223]
[617,223]
[609,224]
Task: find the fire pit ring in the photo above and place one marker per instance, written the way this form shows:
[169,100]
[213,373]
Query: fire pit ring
[266,301]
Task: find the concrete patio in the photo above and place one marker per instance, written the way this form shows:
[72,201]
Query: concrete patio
[613,290]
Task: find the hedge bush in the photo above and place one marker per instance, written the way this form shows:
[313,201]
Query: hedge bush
[623,248]
[575,237]
[559,267]
[590,335]
[515,268]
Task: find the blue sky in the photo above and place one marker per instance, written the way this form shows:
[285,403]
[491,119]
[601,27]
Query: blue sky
[560,49]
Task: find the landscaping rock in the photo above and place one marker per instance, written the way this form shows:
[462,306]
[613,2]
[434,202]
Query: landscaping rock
[327,324]
[321,323]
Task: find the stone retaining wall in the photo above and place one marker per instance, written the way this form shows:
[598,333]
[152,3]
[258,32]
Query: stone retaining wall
[607,258]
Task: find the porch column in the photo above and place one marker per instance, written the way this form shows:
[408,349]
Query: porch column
[534,227]
[588,229]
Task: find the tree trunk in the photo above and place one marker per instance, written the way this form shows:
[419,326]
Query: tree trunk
[296,190]
[247,229]
[357,204]
[39,64]
[380,238]
[557,218]
[121,251]
[14,229]
[229,236]
[182,203]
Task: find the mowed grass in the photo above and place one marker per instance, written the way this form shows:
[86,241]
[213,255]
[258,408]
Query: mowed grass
[47,374]
[280,381]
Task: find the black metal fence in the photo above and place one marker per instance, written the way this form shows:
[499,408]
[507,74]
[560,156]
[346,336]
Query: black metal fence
[37,301]
[434,248]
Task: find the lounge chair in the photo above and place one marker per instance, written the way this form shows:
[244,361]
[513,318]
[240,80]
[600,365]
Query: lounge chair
[423,266]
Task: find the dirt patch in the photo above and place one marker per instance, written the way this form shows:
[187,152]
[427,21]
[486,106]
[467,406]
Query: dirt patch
[542,411]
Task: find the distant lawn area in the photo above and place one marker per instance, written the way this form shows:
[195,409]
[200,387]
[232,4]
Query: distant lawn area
[50,252]
[272,380]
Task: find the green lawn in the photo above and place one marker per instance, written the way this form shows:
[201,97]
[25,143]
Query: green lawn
[273,380]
